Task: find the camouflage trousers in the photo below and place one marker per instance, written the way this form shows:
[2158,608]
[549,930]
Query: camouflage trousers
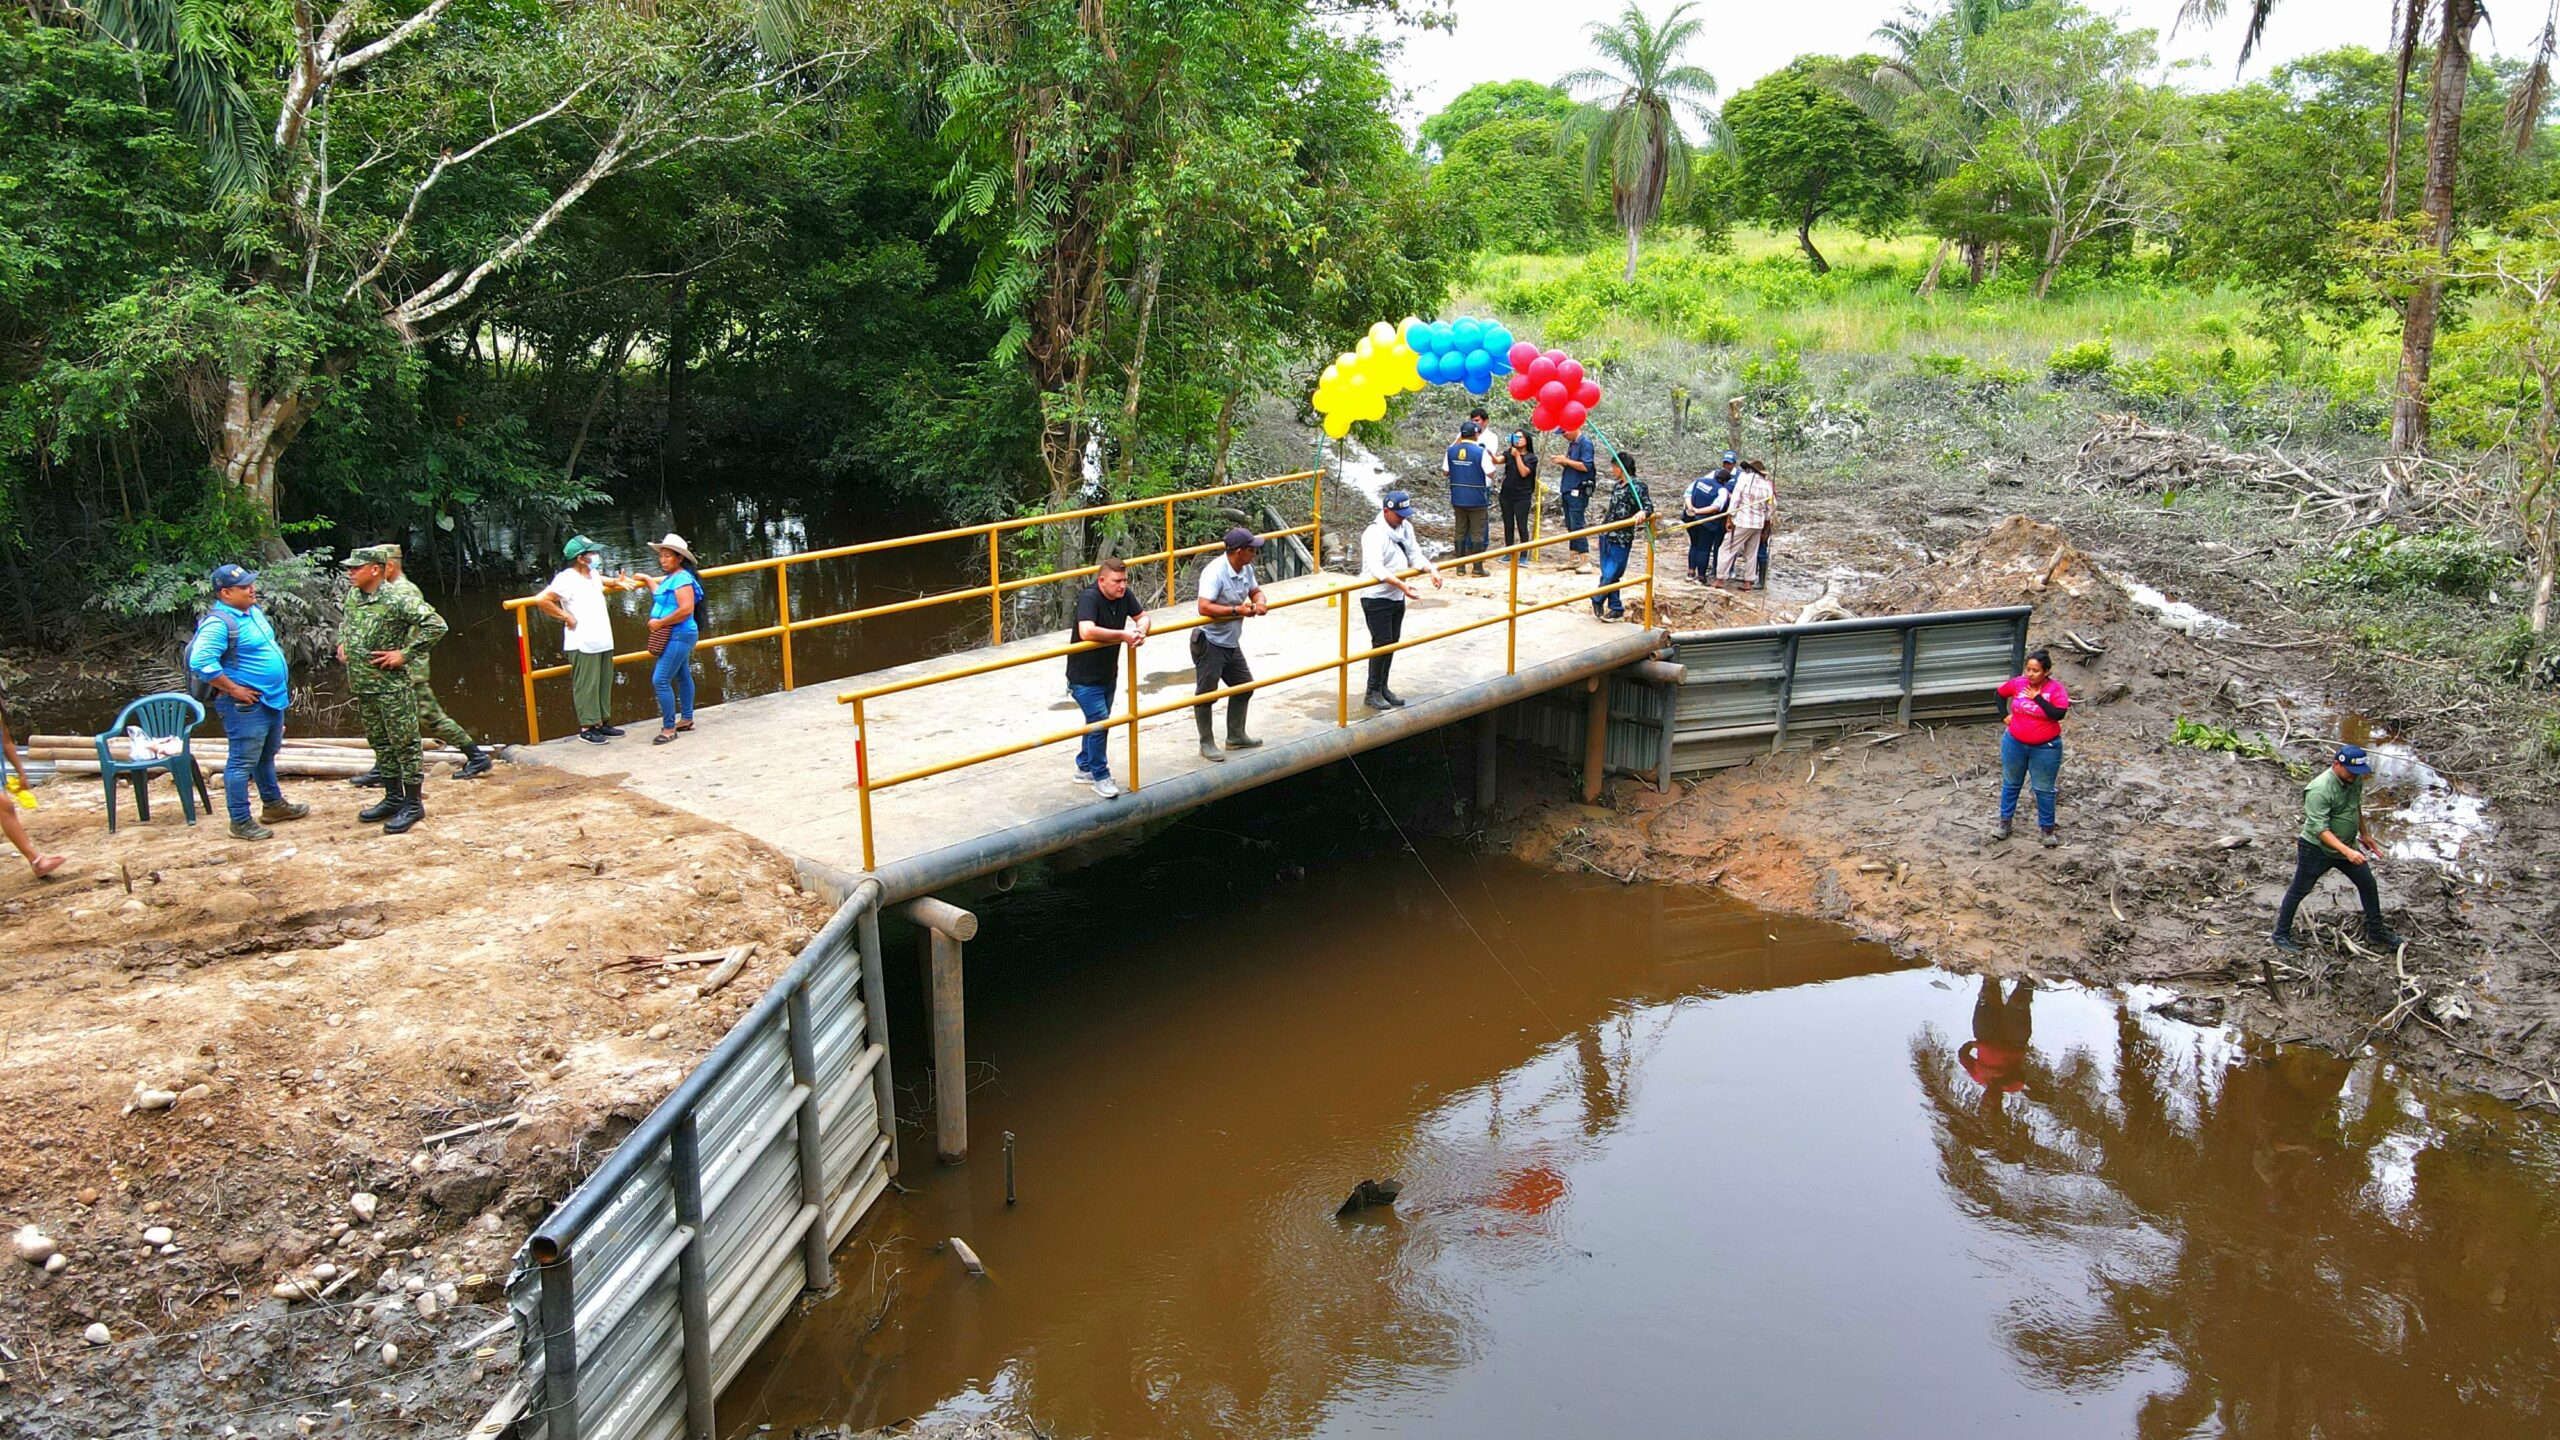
[431,717]
[390,714]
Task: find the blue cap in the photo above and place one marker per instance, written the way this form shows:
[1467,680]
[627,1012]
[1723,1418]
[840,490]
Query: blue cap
[226,576]
[1469,430]
[1730,457]
[2354,758]
[1398,501]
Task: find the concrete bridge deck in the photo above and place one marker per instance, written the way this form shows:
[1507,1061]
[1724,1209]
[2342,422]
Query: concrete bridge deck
[781,766]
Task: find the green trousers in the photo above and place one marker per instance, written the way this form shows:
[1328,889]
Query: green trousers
[390,714]
[591,687]
[431,717]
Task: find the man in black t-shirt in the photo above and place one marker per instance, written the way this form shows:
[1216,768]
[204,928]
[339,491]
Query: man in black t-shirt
[1109,614]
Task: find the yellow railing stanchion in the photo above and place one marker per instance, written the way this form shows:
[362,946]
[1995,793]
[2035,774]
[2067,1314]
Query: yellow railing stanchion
[782,607]
[1511,624]
[1342,672]
[1133,717]
[1648,574]
[862,782]
[1315,542]
[995,592]
[1171,594]
[524,662]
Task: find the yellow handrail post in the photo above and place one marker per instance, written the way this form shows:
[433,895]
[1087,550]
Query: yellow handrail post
[1133,716]
[1648,574]
[1171,594]
[1511,625]
[1315,542]
[1342,672]
[524,663]
[782,607]
[862,783]
[995,595]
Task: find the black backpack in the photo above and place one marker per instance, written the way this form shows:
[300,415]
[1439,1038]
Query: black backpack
[198,685]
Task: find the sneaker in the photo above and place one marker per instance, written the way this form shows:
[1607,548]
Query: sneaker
[2003,830]
[1106,787]
[2285,942]
[2384,936]
[250,830]
[1080,778]
[279,810]
[597,737]
[611,732]
[2051,839]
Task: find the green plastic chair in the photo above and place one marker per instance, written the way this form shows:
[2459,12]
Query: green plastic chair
[161,717]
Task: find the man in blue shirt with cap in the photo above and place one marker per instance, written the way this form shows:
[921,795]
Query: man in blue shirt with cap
[1576,478]
[235,656]
[2335,837]
[1470,493]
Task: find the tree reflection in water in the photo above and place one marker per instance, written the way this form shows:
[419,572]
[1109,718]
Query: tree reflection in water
[2312,1247]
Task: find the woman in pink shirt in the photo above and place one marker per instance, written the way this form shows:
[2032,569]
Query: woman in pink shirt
[2031,746]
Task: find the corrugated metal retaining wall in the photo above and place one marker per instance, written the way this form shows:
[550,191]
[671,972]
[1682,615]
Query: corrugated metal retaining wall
[1772,687]
[640,1297]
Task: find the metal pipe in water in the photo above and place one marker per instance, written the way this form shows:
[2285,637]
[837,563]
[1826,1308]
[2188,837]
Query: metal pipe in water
[1008,1167]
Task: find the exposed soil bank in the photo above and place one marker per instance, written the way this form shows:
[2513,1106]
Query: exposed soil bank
[321,1005]
[2173,859]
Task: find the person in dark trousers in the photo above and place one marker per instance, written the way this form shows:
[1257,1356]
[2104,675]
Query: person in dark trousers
[2004,1028]
[2335,837]
[1470,493]
[1769,530]
[1702,511]
[2031,745]
[1627,500]
[1110,613]
[1576,476]
[1386,548]
[235,654]
[1229,591]
[1519,494]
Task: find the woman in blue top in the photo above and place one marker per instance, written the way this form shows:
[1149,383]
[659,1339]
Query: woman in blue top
[672,633]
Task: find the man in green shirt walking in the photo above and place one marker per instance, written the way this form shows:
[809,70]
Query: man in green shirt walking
[2335,837]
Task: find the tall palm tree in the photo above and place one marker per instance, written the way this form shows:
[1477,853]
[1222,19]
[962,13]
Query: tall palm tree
[1631,126]
[2449,23]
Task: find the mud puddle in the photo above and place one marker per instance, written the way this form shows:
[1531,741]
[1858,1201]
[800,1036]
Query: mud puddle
[1664,1157]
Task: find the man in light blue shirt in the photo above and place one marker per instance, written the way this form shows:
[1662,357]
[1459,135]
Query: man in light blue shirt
[235,656]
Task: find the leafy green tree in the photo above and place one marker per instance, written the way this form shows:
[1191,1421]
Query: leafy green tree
[1514,188]
[1805,155]
[1491,102]
[1633,135]
[1924,56]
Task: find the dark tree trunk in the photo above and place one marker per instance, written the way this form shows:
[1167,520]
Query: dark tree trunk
[2452,75]
[671,445]
[1804,239]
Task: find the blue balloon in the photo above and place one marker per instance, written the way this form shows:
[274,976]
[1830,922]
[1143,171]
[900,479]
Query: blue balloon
[1467,328]
[1426,363]
[1477,385]
[1497,341]
[1479,362]
[1443,335]
[1436,368]
[1501,363]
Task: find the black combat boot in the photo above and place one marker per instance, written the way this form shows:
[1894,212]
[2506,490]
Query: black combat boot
[371,779]
[384,808]
[412,809]
[475,762]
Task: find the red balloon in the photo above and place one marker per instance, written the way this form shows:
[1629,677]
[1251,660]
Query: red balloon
[1554,357]
[1588,392]
[1554,394]
[1540,370]
[1574,414]
[1570,372]
[1544,419]
[1522,352]
[1520,387]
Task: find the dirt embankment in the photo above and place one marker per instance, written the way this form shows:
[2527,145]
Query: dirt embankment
[322,1006]
[2172,861]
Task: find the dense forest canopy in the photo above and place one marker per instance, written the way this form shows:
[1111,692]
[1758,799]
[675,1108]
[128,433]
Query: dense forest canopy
[275,276]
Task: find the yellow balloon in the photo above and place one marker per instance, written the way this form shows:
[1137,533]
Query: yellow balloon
[1331,374]
[1337,426]
[1366,348]
[1383,333]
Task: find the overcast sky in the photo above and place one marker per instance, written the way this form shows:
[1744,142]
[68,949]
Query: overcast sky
[1746,39]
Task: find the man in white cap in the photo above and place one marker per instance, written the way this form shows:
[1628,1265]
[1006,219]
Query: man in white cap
[1229,591]
[1387,547]
[575,598]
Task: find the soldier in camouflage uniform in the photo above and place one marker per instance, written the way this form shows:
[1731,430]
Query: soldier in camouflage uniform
[431,717]
[379,635]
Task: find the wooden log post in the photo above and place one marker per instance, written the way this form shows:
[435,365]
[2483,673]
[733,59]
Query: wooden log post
[946,927]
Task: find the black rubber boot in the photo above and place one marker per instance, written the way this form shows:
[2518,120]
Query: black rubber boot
[1237,739]
[475,762]
[412,809]
[384,808]
[371,779]
[1208,736]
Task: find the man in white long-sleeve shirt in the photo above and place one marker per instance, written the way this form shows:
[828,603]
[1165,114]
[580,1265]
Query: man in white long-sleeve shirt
[1388,547]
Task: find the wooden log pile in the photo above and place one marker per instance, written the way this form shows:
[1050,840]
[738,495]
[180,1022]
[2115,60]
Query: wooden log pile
[307,757]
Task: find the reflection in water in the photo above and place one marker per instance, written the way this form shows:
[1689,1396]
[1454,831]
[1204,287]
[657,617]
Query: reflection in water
[2311,1247]
[1669,1167]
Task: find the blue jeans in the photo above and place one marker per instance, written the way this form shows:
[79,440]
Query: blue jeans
[1577,503]
[254,732]
[674,677]
[2037,765]
[1095,702]
[1614,549]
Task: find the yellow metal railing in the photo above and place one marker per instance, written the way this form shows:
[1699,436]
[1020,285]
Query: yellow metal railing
[993,592]
[865,783]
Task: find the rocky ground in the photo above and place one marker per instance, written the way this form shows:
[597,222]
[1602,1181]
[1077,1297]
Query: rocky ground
[281,1113]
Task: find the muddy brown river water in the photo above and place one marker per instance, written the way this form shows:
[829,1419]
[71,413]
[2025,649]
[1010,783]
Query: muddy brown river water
[1670,1166]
